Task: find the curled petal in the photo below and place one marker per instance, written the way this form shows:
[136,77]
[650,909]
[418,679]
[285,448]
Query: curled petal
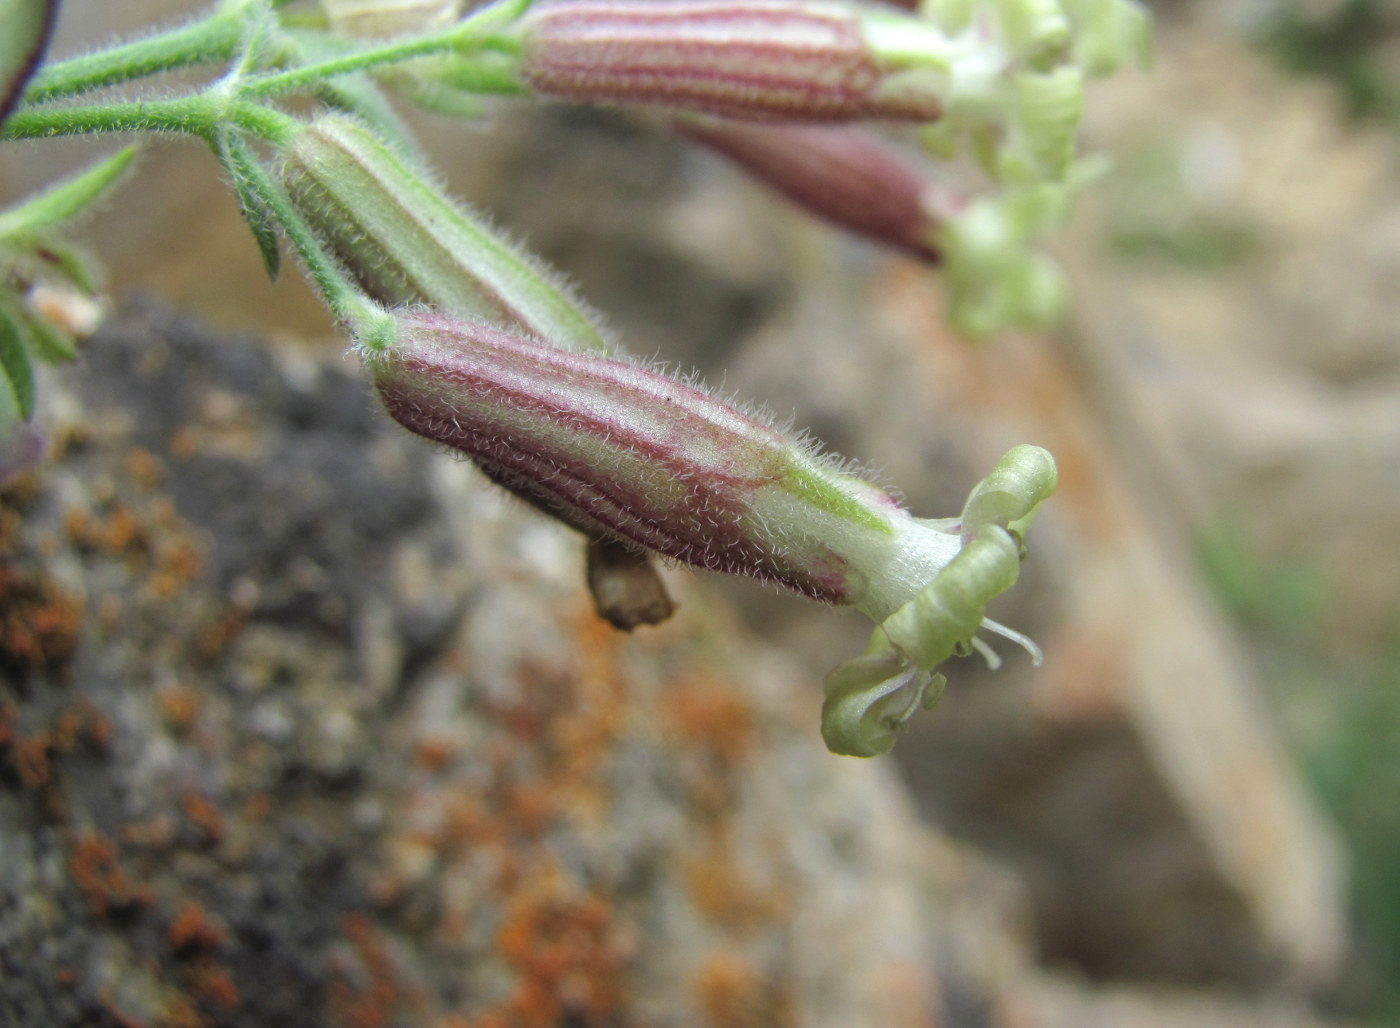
[1019,483]
[950,609]
[869,699]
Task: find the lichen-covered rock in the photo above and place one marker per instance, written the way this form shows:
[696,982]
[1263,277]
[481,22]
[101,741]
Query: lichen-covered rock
[303,724]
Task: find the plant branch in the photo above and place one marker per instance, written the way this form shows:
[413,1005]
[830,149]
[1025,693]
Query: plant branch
[200,115]
[478,32]
[215,38]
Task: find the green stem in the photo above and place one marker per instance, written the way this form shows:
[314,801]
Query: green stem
[477,32]
[191,115]
[214,38]
[201,115]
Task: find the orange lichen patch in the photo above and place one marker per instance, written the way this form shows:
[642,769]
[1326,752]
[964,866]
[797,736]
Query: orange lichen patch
[213,986]
[179,706]
[566,957]
[530,807]
[180,564]
[433,754]
[182,1012]
[31,759]
[257,806]
[468,822]
[39,621]
[109,614]
[722,893]
[118,532]
[156,833]
[144,468]
[119,1017]
[731,994]
[363,995]
[33,756]
[194,930]
[712,715]
[99,732]
[66,976]
[184,443]
[66,728]
[93,865]
[214,637]
[204,814]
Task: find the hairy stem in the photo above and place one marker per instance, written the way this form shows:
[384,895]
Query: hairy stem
[214,38]
[201,115]
[478,32]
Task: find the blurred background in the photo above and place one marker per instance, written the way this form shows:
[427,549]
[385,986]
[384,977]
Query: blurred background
[1191,814]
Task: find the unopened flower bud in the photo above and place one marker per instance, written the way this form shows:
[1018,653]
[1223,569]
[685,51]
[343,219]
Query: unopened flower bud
[775,60]
[1110,34]
[621,451]
[405,242]
[844,174]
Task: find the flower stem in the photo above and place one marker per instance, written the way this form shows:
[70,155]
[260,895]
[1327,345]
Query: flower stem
[199,115]
[476,32]
[190,115]
[214,38]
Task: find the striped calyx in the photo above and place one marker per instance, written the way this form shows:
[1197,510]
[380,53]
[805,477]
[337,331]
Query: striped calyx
[624,452]
[771,60]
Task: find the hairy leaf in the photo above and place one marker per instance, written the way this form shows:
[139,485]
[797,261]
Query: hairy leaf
[66,199]
[240,160]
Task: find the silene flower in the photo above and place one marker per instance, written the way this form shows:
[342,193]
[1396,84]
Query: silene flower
[623,452]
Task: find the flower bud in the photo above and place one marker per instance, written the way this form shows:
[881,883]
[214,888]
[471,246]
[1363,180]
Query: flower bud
[405,242]
[850,177]
[623,452]
[775,60]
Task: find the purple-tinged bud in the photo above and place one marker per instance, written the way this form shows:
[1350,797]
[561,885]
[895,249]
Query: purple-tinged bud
[846,175]
[773,60]
[617,450]
[625,453]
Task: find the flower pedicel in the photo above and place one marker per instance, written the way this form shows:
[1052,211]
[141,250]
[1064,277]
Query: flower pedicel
[621,451]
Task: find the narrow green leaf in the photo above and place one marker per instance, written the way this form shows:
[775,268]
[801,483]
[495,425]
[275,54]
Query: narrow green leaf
[63,200]
[25,27]
[48,343]
[68,263]
[42,339]
[17,374]
[239,159]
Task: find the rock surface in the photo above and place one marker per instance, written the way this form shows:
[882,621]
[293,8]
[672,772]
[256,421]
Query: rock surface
[306,725]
